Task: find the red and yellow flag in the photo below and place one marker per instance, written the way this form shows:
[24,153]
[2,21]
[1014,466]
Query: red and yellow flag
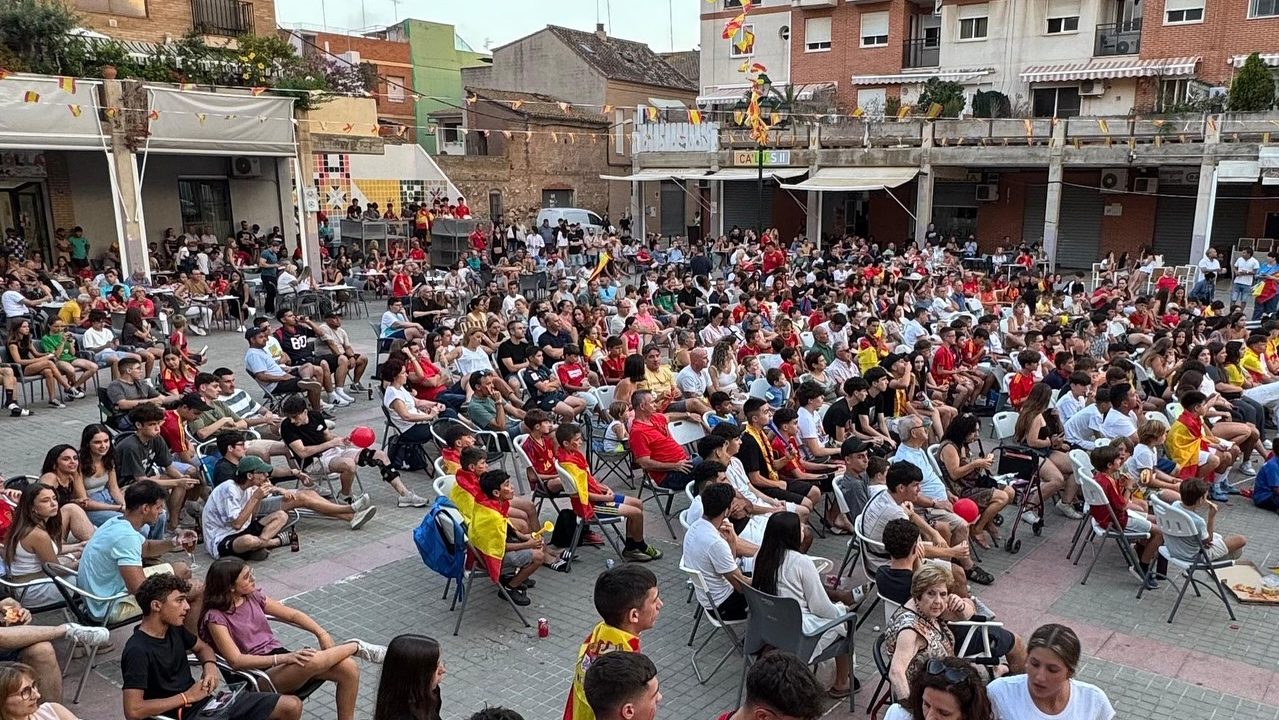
[651,113]
[747,41]
[75,110]
[30,96]
[695,117]
[488,534]
[258,90]
[599,266]
[66,84]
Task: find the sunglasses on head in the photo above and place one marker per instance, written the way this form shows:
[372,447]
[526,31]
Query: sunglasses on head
[953,675]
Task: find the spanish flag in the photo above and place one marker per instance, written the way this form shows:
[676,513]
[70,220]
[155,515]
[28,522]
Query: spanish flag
[75,110]
[599,266]
[651,113]
[574,466]
[488,534]
[604,638]
[30,96]
[695,117]
[66,84]
[934,110]
[466,489]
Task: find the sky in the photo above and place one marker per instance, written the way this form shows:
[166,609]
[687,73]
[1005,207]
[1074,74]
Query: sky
[493,23]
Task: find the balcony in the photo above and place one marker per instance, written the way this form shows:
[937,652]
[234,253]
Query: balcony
[228,18]
[1118,39]
[452,141]
[921,53]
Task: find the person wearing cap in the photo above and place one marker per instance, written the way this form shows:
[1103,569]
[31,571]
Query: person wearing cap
[274,377]
[295,335]
[244,518]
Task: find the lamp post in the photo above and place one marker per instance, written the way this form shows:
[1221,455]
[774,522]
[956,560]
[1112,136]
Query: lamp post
[759,162]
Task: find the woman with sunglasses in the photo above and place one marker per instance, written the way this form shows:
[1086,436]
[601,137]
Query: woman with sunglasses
[944,689]
[22,699]
[1049,687]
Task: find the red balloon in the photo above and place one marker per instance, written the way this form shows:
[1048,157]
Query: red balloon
[363,437]
[967,509]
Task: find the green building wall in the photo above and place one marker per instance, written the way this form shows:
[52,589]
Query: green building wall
[437,72]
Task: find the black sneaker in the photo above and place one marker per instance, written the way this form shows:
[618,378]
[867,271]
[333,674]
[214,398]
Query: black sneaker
[526,585]
[16,410]
[518,596]
[979,575]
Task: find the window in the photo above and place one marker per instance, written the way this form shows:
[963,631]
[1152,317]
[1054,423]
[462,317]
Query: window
[817,34]
[1063,25]
[205,202]
[872,101]
[874,29]
[125,8]
[972,28]
[737,49]
[1263,8]
[1061,102]
[1183,11]
[394,89]
[1184,91]
[737,4]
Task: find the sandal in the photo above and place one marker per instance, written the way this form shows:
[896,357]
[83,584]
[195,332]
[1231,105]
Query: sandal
[981,542]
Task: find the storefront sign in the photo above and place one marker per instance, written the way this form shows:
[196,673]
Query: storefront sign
[21,163]
[750,158]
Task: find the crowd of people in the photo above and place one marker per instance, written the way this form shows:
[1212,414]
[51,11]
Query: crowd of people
[764,378]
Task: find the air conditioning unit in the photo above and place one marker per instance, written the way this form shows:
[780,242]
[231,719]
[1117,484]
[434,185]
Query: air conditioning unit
[1092,88]
[351,56]
[246,167]
[988,192]
[1114,181]
[1145,185]
[1123,47]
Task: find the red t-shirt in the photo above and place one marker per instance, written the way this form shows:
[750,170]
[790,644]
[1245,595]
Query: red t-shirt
[1019,388]
[781,447]
[541,455]
[773,260]
[401,285]
[652,439]
[943,359]
[746,351]
[1118,503]
[173,432]
[573,374]
[613,367]
[417,254]
[427,392]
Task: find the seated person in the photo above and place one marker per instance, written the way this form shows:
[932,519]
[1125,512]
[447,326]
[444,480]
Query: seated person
[235,625]
[519,554]
[762,463]
[1194,500]
[295,336]
[1265,489]
[275,377]
[471,464]
[948,682]
[243,406]
[712,547]
[111,562]
[22,642]
[1130,514]
[488,409]
[130,389]
[600,498]
[100,340]
[665,460]
[308,437]
[917,632]
[412,417]
[156,677]
[41,526]
[220,418]
[545,391]
[145,455]
[896,500]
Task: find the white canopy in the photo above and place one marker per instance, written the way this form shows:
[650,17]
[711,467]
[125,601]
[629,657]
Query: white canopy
[204,123]
[38,112]
[750,173]
[660,174]
[856,179]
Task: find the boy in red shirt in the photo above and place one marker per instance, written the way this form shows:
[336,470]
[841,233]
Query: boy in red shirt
[1021,383]
[575,376]
[614,363]
[1131,514]
[602,499]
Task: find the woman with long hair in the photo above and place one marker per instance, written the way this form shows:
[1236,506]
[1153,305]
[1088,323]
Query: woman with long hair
[1040,428]
[240,300]
[1158,361]
[632,376]
[782,569]
[33,363]
[1049,688]
[234,622]
[36,537]
[98,491]
[410,684]
[61,472]
[970,476]
[177,375]
[723,369]
[20,696]
[947,688]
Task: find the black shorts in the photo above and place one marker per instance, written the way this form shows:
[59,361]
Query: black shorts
[796,491]
[287,386]
[733,608]
[226,545]
[248,706]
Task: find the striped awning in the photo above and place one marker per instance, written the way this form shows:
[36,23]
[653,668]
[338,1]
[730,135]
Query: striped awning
[963,75]
[1271,59]
[1106,69]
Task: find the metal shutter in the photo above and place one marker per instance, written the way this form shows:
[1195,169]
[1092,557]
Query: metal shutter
[955,194]
[672,208]
[741,204]
[1175,222]
[1035,204]
[1079,227]
[1230,217]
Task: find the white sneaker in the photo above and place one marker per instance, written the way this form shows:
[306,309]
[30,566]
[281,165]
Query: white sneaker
[239,328]
[90,636]
[411,499]
[199,330]
[369,651]
[326,407]
[1068,510]
[1030,517]
[362,516]
[361,502]
[1247,468]
[341,395]
[340,402]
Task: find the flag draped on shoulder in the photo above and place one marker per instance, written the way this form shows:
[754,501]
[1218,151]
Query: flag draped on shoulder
[488,534]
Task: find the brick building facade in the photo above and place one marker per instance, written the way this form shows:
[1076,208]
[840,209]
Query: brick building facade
[390,59]
[157,21]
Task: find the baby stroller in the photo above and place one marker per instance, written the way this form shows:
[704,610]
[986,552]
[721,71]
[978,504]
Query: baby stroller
[1020,466]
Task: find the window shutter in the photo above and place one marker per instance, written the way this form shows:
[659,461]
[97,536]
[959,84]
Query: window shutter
[874,24]
[817,30]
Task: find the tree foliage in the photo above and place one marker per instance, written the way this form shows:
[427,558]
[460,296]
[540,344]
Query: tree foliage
[948,94]
[36,36]
[1253,89]
[991,104]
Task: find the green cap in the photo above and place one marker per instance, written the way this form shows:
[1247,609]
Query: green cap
[252,464]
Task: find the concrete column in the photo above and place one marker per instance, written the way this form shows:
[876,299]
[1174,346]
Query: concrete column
[1052,204]
[924,186]
[1205,200]
[125,183]
[305,222]
[813,225]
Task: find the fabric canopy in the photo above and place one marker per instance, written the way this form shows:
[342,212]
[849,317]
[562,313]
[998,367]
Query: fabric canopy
[750,173]
[856,179]
[1109,69]
[660,174]
[203,123]
[960,76]
[40,112]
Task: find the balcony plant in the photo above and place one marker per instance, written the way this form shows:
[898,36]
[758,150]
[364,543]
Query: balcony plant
[991,104]
[36,36]
[948,94]
[1253,89]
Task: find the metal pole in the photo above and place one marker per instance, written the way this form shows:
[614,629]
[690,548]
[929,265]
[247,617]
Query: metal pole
[759,205]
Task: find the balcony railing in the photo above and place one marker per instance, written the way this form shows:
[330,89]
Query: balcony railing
[1118,39]
[921,53]
[222,17]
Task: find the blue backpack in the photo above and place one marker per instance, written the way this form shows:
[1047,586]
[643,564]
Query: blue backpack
[441,540]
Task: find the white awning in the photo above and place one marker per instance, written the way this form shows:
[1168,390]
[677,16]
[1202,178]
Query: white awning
[1238,171]
[959,76]
[856,179]
[1271,59]
[204,123]
[750,173]
[648,174]
[723,95]
[1110,69]
[666,104]
[39,112]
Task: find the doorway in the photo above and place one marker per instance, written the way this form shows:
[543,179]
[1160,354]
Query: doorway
[1272,225]
[23,208]
[205,203]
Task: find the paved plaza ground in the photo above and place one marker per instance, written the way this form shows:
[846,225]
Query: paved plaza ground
[371,584]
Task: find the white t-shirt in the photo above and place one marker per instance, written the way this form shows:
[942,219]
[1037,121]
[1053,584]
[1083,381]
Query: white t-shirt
[98,338]
[692,382]
[471,360]
[706,551]
[1143,457]
[13,305]
[809,427]
[1246,270]
[1082,427]
[1118,424]
[389,396]
[1208,266]
[224,505]
[1010,700]
[1068,405]
[534,244]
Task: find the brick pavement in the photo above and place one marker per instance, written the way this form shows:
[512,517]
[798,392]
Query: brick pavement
[370,584]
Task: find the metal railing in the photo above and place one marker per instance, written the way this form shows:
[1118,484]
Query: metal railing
[1118,39]
[222,17]
[921,53]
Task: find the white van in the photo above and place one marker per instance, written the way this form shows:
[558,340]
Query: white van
[591,223]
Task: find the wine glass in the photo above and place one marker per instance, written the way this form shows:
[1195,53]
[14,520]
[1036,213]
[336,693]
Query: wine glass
[187,538]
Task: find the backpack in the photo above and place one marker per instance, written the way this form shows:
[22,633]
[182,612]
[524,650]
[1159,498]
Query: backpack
[406,456]
[441,541]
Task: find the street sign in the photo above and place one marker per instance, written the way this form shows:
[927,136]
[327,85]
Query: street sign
[750,158]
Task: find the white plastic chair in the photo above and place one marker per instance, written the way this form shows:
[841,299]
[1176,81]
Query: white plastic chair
[1005,424]
[806,339]
[705,606]
[1096,497]
[1158,417]
[686,432]
[1177,523]
[443,484]
[1173,410]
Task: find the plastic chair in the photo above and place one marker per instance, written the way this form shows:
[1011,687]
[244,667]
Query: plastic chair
[1173,410]
[541,493]
[64,579]
[657,493]
[1158,417]
[1004,424]
[686,432]
[778,623]
[1177,523]
[443,484]
[705,607]
[883,694]
[598,520]
[1082,464]
[1096,497]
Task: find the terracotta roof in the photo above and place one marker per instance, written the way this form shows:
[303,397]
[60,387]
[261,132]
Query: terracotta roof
[624,60]
[686,62]
[537,105]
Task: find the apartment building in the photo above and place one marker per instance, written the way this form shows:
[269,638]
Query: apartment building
[156,21]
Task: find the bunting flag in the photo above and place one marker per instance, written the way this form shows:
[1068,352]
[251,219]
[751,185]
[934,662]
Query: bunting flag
[186,86]
[858,112]
[1158,122]
[506,134]
[75,110]
[30,96]
[517,104]
[738,117]
[66,84]
[650,113]
[746,43]
[902,112]
[1103,126]
[732,26]
[606,110]
[695,117]
[565,107]
[555,137]
[110,112]
[471,98]
[944,141]
[1030,128]
[258,90]
[154,115]
[934,111]
[348,127]
[487,532]
[4,73]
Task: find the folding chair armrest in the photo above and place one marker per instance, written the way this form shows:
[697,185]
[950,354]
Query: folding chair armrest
[8,584]
[86,594]
[1214,565]
[976,623]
